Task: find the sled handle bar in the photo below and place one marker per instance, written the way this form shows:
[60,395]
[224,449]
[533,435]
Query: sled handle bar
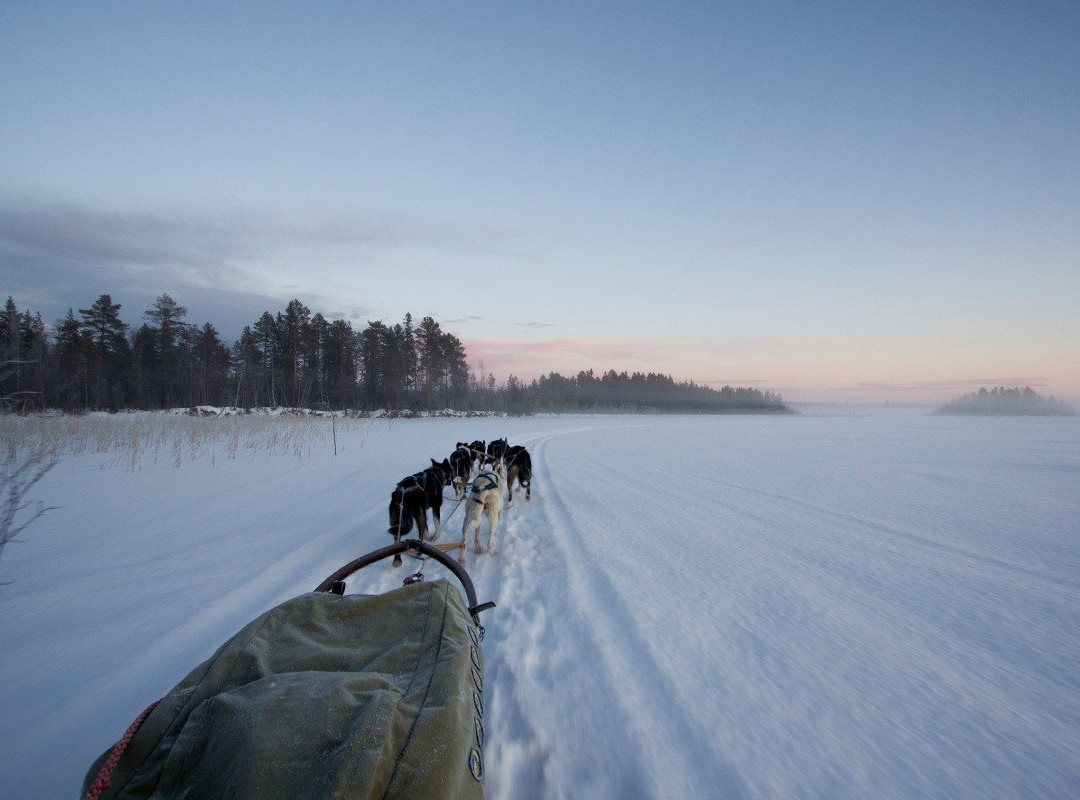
[397,548]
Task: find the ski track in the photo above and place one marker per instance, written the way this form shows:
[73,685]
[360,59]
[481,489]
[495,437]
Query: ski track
[693,771]
[546,687]
[554,593]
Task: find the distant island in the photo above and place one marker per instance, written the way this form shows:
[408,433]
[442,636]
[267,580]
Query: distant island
[1002,401]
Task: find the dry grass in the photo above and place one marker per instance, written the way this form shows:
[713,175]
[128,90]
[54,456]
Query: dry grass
[133,439]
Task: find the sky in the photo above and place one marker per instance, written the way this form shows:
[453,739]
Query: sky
[851,202]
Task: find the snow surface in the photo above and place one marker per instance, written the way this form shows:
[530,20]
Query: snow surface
[817,606]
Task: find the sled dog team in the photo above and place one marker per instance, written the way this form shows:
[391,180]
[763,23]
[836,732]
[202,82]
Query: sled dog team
[498,467]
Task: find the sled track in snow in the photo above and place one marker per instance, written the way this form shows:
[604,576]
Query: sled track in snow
[554,589]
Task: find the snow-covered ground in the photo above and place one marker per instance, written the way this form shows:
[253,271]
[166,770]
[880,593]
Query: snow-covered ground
[875,605]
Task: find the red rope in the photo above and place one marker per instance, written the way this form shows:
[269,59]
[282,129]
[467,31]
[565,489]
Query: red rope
[101,782]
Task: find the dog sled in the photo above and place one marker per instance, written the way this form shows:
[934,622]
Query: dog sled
[327,695]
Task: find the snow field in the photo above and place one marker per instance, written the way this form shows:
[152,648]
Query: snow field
[756,607]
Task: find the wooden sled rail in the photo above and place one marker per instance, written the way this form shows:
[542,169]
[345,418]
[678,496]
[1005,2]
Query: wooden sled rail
[446,548]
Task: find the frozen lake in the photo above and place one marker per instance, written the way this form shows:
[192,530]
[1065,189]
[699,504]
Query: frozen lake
[879,604]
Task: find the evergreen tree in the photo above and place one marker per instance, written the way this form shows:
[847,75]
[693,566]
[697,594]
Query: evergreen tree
[341,356]
[396,360]
[166,319]
[72,374]
[313,352]
[38,357]
[144,358]
[248,360]
[110,356]
[292,330]
[211,359]
[11,354]
[267,340]
[9,330]
[431,361]
[372,358]
[411,381]
[457,371]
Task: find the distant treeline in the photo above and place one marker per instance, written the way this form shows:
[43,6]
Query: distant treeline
[620,391]
[93,360]
[1001,401]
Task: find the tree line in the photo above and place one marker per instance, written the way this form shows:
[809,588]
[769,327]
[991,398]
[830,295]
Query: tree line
[93,360]
[636,391]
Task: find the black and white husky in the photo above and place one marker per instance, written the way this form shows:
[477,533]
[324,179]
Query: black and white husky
[518,467]
[414,495]
[485,499]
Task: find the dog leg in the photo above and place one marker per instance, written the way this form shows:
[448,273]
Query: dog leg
[438,523]
[472,520]
[395,518]
[465,530]
[493,529]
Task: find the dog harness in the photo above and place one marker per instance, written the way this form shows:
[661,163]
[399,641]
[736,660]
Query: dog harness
[492,483]
[414,483]
[421,480]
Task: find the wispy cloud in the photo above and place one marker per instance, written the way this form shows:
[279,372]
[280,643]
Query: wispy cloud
[210,239]
[57,254]
[460,320]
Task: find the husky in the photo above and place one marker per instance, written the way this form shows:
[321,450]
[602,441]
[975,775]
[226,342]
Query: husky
[495,450]
[479,453]
[485,499]
[461,461]
[519,468]
[414,495]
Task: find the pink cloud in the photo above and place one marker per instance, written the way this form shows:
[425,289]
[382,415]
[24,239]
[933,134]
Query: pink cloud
[797,373]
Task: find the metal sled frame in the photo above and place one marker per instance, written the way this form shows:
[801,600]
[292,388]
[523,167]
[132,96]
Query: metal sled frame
[336,583]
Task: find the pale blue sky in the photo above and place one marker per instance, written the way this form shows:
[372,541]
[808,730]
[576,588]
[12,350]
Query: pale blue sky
[853,201]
